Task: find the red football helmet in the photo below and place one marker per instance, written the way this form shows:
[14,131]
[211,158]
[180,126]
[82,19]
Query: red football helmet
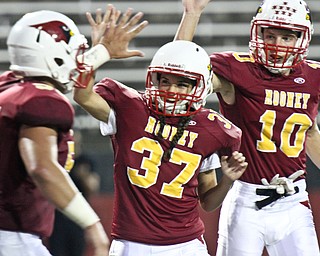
[293,15]
[180,58]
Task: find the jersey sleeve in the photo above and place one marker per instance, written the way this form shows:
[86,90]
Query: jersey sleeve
[46,111]
[229,135]
[107,88]
[233,144]
[211,162]
[109,128]
[221,64]
[37,104]
[237,67]
[7,79]
[115,93]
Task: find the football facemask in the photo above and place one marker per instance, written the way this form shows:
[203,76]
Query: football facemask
[294,16]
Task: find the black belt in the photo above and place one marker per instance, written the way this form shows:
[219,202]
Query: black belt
[272,196]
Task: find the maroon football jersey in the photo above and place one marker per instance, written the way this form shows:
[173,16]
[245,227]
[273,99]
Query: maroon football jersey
[22,207]
[274,113]
[155,200]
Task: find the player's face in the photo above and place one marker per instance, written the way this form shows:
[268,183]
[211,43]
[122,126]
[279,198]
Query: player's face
[278,42]
[175,84]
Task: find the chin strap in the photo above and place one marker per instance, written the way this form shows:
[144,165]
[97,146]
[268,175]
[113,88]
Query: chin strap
[82,75]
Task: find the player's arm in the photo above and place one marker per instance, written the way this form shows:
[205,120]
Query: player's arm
[225,88]
[210,192]
[207,181]
[190,18]
[115,32]
[39,151]
[313,144]
[91,101]
[84,95]
[186,30]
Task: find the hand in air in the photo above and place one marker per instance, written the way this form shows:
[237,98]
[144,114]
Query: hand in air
[283,185]
[100,24]
[115,31]
[234,166]
[194,6]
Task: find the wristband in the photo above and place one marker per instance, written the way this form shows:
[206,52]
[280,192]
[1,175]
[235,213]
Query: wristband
[79,211]
[95,57]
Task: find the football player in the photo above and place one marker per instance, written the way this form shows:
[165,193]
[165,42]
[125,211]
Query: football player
[272,94]
[164,143]
[36,144]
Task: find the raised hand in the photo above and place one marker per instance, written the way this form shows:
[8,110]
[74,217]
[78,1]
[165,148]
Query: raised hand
[190,19]
[100,24]
[111,35]
[194,6]
[120,31]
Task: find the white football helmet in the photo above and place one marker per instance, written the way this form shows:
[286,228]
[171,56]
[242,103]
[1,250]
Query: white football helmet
[291,15]
[181,58]
[45,43]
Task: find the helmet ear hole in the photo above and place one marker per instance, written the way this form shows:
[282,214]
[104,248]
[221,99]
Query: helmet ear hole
[38,36]
[59,61]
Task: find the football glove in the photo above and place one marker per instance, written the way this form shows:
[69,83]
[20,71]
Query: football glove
[283,185]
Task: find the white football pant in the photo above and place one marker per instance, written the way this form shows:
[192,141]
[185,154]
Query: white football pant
[18,244]
[128,248]
[285,227]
